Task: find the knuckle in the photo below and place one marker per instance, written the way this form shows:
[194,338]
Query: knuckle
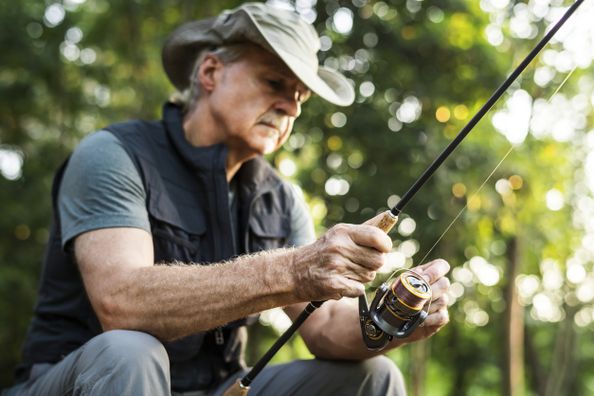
[368,276]
[324,238]
[385,240]
[334,287]
[378,263]
[334,249]
[339,228]
[380,239]
[333,264]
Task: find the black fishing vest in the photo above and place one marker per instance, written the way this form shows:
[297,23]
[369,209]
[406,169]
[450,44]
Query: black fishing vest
[188,205]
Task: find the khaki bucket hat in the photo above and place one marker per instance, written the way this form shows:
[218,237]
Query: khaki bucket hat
[280,31]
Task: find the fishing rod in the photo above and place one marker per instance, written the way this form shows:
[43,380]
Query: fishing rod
[398,309]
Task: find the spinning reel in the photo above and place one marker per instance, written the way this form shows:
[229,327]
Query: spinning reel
[396,310]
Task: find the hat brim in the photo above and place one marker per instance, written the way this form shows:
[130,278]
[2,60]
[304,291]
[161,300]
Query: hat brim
[327,83]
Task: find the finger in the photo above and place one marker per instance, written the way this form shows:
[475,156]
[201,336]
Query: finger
[439,304]
[361,267]
[433,270]
[370,236]
[440,288]
[364,246]
[364,258]
[363,277]
[437,319]
[349,288]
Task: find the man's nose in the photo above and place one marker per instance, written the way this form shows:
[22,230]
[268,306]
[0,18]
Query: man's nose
[290,104]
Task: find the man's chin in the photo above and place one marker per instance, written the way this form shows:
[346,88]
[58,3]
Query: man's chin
[270,148]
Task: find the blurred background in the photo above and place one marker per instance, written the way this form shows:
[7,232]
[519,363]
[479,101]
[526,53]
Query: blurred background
[521,246]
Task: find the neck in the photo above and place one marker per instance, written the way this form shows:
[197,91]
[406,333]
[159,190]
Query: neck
[202,129]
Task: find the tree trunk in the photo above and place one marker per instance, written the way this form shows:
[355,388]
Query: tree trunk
[418,367]
[538,377]
[514,327]
[563,356]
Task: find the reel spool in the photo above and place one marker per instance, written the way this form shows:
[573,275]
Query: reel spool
[396,310]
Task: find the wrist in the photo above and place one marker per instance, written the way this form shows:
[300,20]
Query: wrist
[298,270]
[277,272]
[293,278]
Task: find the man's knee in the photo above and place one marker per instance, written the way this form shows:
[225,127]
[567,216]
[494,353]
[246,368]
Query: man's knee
[380,376]
[380,365]
[122,362]
[124,347]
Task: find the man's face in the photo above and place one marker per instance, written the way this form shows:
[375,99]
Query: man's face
[255,101]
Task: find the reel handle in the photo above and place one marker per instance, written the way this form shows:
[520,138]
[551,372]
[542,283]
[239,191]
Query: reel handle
[375,339]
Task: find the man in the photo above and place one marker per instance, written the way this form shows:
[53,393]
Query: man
[127,304]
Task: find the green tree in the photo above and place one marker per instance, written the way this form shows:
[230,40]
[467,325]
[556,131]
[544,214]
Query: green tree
[521,247]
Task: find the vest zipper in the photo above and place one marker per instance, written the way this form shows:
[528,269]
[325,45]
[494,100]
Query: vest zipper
[219,336]
[248,217]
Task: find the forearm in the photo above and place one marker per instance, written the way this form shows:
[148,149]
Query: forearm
[128,291]
[171,301]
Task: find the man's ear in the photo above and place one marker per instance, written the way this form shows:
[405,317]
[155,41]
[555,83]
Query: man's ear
[208,72]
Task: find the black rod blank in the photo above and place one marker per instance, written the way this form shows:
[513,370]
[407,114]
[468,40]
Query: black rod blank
[260,364]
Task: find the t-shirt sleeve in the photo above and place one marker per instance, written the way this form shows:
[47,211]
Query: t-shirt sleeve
[302,228]
[101,188]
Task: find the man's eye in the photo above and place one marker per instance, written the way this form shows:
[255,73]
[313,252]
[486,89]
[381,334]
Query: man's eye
[275,84]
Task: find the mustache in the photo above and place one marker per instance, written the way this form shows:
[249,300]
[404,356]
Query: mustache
[275,120]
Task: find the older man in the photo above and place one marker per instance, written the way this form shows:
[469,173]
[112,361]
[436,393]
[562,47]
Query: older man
[168,235]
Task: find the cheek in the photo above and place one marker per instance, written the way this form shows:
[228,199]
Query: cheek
[235,103]
[244,111]
[236,116]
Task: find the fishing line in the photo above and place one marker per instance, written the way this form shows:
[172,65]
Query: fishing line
[476,193]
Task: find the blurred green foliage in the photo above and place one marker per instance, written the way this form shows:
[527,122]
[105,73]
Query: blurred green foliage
[421,70]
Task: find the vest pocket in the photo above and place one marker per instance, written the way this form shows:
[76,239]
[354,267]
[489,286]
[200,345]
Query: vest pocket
[173,243]
[269,232]
[177,230]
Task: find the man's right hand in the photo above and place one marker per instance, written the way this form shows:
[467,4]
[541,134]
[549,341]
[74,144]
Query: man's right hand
[340,262]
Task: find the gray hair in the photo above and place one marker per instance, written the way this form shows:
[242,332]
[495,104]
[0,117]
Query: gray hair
[226,54]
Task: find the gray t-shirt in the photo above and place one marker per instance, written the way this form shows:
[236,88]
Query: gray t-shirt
[101,188]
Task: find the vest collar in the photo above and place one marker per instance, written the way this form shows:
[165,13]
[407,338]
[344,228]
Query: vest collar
[212,158]
[208,158]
